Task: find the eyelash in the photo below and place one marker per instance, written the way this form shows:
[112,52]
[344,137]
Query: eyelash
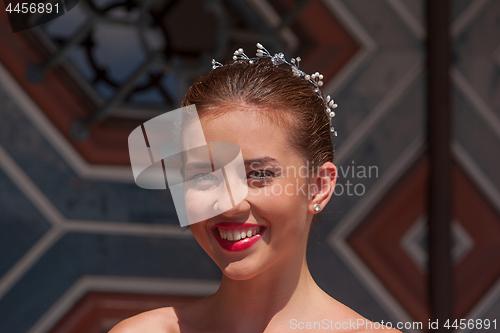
[268,175]
[200,176]
[255,178]
[205,180]
[260,178]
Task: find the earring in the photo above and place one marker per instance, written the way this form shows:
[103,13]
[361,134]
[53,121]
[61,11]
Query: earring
[316,208]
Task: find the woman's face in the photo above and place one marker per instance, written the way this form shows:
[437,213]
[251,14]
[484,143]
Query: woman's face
[275,215]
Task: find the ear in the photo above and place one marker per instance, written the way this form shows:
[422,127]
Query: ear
[324,182]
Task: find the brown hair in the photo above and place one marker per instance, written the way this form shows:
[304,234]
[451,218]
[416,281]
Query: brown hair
[290,100]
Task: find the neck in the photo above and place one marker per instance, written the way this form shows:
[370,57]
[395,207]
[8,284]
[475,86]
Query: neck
[268,291]
[272,294]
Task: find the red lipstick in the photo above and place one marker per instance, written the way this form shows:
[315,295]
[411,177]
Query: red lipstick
[239,245]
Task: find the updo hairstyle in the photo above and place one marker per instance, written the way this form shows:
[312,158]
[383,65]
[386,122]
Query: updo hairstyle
[288,100]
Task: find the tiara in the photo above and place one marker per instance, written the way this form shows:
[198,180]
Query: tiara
[278,59]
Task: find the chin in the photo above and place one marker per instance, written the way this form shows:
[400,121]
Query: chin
[242,268]
[239,271]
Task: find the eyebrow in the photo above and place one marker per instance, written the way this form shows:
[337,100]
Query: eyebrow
[263,161]
[259,162]
[198,165]
[195,166]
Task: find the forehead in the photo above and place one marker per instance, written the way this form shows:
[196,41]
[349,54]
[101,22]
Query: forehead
[252,129]
[245,128]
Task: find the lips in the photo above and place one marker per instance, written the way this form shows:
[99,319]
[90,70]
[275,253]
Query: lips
[234,236]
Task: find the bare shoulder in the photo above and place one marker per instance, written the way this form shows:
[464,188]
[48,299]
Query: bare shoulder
[162,320]
[351,321]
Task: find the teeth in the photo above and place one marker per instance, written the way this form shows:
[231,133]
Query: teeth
[236,235]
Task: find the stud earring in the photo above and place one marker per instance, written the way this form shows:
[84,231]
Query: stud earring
[316,208]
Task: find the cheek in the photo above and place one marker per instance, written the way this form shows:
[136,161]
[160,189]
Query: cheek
[200,234]
[285,200]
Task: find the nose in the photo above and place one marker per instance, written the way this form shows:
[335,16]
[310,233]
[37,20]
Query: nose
[231,200]
[229,209]
[224,201]
[227,158]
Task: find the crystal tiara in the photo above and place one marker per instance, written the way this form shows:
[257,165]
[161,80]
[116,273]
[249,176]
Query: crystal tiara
[278,59]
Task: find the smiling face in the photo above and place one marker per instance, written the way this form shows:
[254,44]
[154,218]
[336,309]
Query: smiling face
[275,215]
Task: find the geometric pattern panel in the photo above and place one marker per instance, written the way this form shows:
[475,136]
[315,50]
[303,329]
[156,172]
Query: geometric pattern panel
[324,44]
[415,242]
[477,95]
[21,225]
[61,100]
[75,198]
[377,242]
[81,254]
[479,270]
[65,100]
[381,241]
[371,53]
[98,227]
[98,312]
[477,131]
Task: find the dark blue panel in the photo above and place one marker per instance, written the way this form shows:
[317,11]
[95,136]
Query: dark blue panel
[378,152]
[478,139]
[21,225]
[76,255]
[74,197]
[458,7]
[336,279]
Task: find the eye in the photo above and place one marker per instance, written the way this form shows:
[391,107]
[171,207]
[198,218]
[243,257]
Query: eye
[204,181]
[201,177]
[260,174]
[260,178]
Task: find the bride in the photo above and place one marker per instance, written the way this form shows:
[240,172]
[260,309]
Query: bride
[278,117]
